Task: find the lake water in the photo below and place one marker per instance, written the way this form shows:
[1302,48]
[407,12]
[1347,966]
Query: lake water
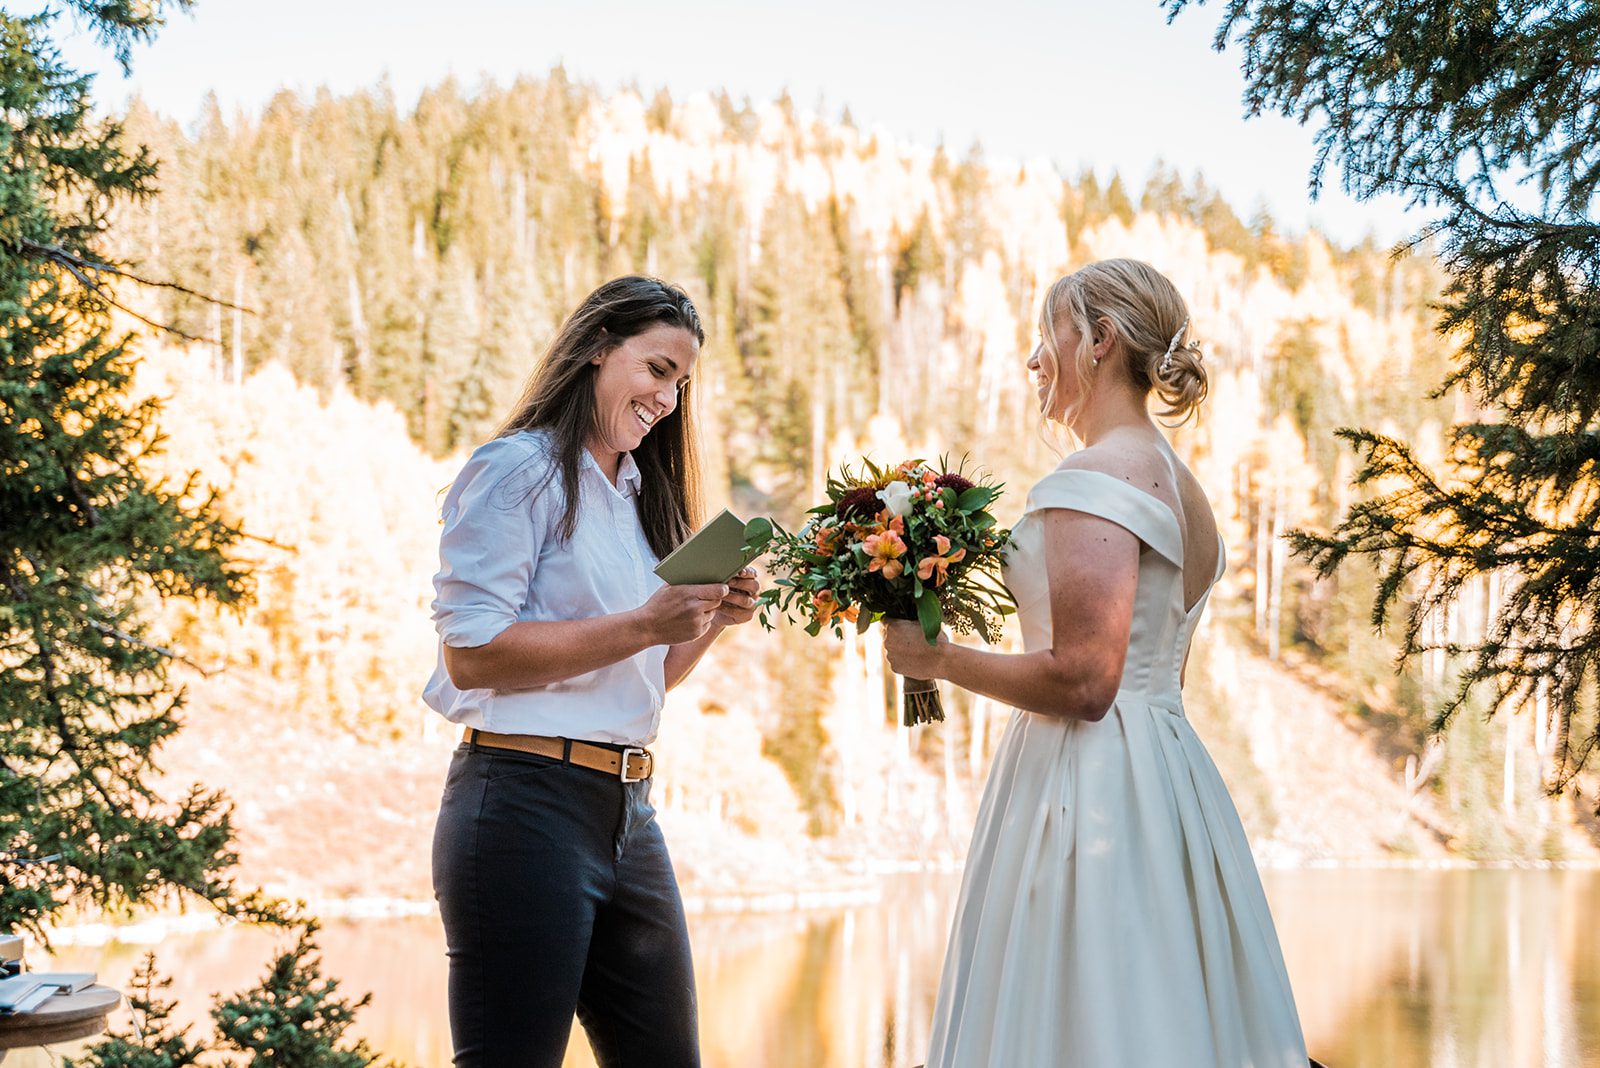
[1391,969]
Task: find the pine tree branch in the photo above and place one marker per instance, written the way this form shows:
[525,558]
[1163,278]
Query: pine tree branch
[16,860]
[75,489]
[84,270]
[123,636]
[18,591]
[61,256]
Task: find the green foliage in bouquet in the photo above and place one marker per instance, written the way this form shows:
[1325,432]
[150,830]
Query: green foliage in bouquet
[914,542]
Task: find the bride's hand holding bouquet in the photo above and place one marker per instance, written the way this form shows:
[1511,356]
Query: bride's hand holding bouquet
[913,542]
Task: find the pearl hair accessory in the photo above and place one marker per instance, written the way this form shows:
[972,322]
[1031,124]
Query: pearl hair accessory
[1166,357]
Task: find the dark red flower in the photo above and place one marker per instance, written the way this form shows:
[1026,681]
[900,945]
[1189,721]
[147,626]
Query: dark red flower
[859,503]
[955,482]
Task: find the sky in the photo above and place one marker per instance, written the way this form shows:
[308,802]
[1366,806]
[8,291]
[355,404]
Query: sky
[1106,84]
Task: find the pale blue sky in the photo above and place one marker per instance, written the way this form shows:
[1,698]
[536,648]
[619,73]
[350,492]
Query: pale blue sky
[1107,84]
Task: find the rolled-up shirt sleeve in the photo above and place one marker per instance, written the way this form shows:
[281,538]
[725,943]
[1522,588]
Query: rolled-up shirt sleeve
[489,548]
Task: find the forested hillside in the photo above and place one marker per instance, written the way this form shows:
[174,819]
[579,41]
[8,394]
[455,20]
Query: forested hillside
[400,269]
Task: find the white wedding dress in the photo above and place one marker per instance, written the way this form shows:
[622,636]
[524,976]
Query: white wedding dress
[1111,915]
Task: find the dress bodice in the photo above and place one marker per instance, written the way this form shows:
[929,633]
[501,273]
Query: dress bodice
[1111,913]
[1161,627]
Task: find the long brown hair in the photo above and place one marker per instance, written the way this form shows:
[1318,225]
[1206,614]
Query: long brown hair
[559,397]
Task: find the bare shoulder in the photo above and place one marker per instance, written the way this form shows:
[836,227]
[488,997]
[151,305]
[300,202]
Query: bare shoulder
[1141,464]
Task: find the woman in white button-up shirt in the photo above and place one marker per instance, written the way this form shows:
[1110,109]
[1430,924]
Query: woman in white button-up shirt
[557,644]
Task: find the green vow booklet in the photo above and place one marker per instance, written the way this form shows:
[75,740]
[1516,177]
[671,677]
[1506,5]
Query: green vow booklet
[714,553]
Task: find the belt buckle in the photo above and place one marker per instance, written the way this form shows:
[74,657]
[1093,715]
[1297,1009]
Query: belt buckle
[622,772]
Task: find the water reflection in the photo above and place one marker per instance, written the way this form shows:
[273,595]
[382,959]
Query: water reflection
[1391,969]
[1493,969]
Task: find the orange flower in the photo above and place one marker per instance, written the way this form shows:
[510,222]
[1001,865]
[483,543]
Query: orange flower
[885,521]
[827,606]
[929,565]
[826,539]
[885,550]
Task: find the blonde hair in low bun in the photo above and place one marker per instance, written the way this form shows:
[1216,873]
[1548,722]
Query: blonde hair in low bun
[1152,327]
[1181,381]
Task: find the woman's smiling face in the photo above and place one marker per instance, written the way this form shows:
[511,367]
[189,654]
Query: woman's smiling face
[637,384]
[1055,374]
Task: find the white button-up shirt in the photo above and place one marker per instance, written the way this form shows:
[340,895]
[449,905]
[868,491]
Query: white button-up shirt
[501,562]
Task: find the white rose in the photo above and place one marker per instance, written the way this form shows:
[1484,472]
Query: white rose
[896,497]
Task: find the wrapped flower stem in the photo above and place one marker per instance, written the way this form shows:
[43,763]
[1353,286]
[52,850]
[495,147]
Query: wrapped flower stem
[919,702]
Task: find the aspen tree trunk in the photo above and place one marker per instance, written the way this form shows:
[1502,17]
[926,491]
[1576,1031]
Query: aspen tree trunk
[1543,735]
[978,736]
[1508,791]
[949,743]
[1263,547]
[1280,559]
[819,435]
[214,336]
[358,330]
[238,325]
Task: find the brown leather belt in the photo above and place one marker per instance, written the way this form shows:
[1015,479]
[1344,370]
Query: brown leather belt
[630,763]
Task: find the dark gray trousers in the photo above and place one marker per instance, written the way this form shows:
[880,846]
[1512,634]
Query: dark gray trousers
[558,896]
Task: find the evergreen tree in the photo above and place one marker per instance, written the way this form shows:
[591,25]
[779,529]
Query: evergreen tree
[1117,201]
[511,343]
[86,539]
[1164,192]
[154,1041]
[917,256]
[1449,104]
[293,1019]
[449,415]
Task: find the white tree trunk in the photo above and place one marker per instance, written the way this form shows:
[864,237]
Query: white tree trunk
[1280,560]
[1263,551]
[1508,791]
[238,326]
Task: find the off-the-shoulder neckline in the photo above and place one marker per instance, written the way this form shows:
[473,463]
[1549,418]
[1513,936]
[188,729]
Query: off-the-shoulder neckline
[1172,514]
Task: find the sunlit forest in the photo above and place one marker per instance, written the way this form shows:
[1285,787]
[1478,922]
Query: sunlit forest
[392,274]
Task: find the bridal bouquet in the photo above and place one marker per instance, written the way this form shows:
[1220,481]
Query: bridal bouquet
[912,542]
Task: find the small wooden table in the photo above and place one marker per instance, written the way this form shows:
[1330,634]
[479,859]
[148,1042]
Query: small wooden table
[63,1018]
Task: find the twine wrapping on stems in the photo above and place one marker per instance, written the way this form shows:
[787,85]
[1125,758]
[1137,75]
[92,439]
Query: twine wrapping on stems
[919,702]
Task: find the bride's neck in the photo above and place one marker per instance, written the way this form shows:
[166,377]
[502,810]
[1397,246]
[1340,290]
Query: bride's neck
[1115,409]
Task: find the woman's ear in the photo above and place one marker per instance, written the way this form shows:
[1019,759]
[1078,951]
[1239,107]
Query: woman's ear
[1104,335]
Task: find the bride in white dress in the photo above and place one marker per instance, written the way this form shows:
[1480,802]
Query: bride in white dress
[1111,915]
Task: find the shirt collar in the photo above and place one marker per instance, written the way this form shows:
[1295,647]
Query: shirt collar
[628,477]
[628,473]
